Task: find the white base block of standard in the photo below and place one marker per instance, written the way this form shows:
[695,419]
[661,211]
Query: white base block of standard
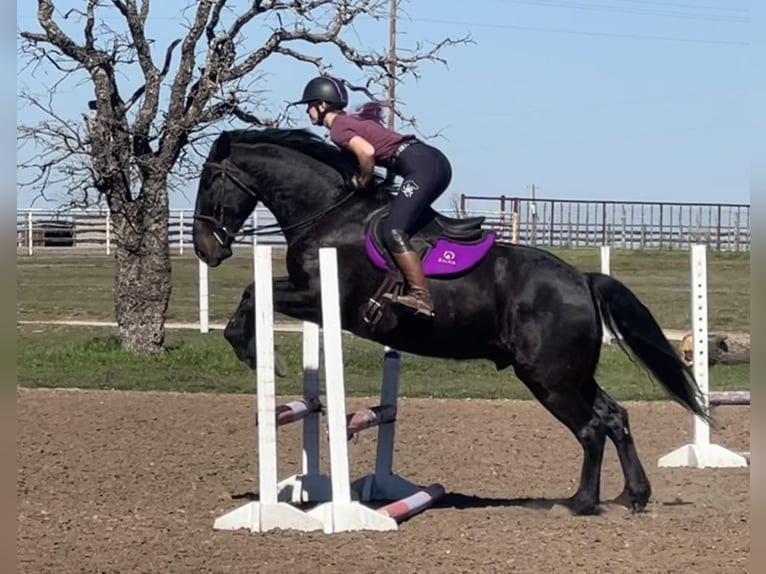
[258,517]
[351,516]
[703,456]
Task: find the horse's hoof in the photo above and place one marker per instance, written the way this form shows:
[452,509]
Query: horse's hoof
[635,502]
[280,363]
[582,507]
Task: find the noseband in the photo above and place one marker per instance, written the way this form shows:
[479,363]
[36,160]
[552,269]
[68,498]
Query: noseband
[225,237]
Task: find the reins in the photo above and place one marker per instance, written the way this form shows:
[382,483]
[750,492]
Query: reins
[259,230]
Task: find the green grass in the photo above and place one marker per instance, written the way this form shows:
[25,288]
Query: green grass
[80,286]
[59,286]
[91,358]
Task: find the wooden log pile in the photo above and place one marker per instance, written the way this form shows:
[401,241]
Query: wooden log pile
[723,349]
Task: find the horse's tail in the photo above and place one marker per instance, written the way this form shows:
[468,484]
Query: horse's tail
[628,319]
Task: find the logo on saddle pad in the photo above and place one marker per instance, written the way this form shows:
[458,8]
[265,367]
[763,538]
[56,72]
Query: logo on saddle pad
[447,257]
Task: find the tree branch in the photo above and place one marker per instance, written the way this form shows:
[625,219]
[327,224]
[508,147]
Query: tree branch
[223,90]
[345,14]
[174,137]
[215,18]
[56,36]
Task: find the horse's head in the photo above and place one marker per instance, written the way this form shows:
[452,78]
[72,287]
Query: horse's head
[226,196]
[297,176]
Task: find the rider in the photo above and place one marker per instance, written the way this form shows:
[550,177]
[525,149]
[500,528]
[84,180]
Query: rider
[425,170]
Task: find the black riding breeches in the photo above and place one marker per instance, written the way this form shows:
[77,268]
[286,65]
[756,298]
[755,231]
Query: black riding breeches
[427,173]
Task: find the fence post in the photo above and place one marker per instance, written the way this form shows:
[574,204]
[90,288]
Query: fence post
[29,231]
[108,232]
[255,224]
[203,298]
[181,232]
[553,223]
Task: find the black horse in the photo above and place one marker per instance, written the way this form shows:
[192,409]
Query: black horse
[514,305]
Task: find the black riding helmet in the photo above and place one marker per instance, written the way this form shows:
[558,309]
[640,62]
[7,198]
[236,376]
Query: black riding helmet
[325,89]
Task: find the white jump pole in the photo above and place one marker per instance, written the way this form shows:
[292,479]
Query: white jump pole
[701,453]
[204,314]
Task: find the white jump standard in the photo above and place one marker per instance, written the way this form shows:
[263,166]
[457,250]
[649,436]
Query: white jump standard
[338,504]
[702,453]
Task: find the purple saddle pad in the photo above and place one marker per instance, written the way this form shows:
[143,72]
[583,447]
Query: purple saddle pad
[446,258]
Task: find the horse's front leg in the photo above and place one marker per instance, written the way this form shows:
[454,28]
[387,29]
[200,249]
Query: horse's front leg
[297,303]
[240,330]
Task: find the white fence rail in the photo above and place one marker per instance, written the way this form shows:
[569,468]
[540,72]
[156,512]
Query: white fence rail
[92,229]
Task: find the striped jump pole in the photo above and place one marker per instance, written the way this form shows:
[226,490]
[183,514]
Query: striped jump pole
[369,418]
[701,453]
[403,509]
[294,411]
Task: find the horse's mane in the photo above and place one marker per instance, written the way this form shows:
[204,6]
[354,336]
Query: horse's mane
[300,140]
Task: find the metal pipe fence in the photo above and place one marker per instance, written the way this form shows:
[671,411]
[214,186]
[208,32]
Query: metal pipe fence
[619,224]
[92,229]
[543,222]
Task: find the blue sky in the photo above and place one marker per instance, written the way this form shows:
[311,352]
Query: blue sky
[586,99]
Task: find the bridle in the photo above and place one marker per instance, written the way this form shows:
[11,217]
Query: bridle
[224,236]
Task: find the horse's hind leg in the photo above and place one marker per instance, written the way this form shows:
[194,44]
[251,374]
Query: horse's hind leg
[563,399]
[637,489]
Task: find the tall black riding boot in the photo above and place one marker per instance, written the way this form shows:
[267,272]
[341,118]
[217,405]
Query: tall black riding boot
[417,297]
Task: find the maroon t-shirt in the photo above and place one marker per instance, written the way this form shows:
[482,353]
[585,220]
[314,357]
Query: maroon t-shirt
[385,141]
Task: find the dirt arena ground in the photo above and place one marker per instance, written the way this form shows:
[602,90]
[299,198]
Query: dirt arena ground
[114,482]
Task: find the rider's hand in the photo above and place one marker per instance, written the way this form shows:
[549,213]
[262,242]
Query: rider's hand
[359,182]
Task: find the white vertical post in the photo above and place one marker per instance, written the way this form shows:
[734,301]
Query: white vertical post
[265,392]
[108,232]
[701,453]
[606,338]
[700,336]
[203,298]
[341,514]
[334,382]
[29,231]
[605,265]
[181,232]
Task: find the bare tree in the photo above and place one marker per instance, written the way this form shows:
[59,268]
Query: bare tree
[127,150]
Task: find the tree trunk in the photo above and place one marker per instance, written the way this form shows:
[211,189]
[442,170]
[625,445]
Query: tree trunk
[142,269]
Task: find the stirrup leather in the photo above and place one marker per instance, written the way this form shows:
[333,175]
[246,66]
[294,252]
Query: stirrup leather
[417,300]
